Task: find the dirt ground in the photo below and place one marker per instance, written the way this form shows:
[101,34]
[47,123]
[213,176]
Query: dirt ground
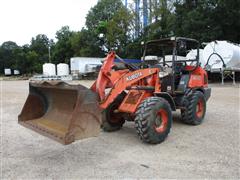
[210,150]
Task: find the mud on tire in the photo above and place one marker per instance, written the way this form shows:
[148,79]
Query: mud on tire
[195,108]
[153,120]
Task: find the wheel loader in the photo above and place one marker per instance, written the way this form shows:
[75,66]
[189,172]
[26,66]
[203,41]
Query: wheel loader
[147,95]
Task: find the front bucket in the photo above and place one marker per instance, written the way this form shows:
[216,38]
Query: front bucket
[61,111]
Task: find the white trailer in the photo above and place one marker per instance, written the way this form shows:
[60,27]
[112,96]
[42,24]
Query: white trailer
[83,66]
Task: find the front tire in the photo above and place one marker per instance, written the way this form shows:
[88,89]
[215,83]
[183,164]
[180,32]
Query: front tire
[112,121]
[153,120]
[194,108]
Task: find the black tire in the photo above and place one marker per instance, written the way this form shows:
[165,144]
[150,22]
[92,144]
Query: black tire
[112,121]
[195,108]
[153,120]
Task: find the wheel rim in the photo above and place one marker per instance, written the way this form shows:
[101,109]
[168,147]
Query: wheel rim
[161,121]
[199,108]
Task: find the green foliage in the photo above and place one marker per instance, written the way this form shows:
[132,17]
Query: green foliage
[208,20]
[32,62]
[112,20]
[118,31]
[37,54]
[40,44]
[110,26]
[62,50]
[84,44]
[8,52]
[103,11]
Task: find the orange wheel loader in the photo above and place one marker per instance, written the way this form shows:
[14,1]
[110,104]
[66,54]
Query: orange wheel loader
[146,94]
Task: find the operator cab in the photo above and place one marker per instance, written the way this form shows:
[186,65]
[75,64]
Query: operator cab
[169,55]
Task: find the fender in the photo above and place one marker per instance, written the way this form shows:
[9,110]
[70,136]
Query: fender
[206,92]
[168,97]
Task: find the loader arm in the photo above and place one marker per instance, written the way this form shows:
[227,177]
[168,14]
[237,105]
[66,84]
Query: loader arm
[120,80]
[143,78]
[106,77]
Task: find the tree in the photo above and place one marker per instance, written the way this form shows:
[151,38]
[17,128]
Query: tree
[84,44]
[8,51]
[112,20]
[226,15]
[208,20]
[40,45]
[35,55]
[62,50]
[163,20]
[32,63]
[103,11]
[118,31]
[28,58]
[205,20]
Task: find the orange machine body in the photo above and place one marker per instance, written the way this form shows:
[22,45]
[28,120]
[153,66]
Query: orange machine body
[198,78]
[139,84]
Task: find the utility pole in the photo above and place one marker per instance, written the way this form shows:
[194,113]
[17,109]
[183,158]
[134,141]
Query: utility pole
[49,54]
[145,13]
[150,11]
[137,19]
[155,8]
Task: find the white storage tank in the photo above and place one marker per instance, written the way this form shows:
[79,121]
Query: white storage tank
[229,52]
[16,72]
[49,69]
[7,72]
[62,69]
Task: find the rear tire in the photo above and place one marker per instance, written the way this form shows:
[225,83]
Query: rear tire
[112,121]
[195,108]
[153,120]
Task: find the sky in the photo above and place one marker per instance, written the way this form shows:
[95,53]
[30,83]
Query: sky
[20,20]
